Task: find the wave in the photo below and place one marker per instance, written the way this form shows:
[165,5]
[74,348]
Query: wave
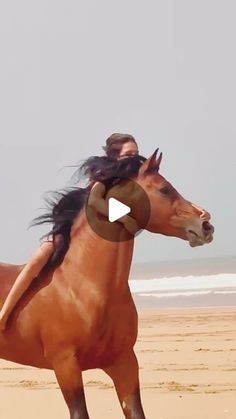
[185,294]
[222,283]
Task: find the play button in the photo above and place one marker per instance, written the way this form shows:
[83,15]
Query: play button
[114,215]
[116,210]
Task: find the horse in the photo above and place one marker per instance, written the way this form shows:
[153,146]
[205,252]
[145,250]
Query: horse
[81,315]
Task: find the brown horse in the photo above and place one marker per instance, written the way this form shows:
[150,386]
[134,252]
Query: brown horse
[81,315]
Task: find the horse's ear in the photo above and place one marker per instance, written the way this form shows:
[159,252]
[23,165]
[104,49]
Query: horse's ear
[158,162]
[152,164]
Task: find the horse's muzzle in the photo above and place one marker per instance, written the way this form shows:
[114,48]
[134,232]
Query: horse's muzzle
[201,233]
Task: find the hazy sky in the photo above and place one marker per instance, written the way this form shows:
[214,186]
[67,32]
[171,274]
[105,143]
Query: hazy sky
[73,72]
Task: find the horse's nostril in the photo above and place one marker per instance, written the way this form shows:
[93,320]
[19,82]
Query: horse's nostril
[206,226]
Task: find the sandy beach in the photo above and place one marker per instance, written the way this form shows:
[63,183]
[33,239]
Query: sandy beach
[187,364]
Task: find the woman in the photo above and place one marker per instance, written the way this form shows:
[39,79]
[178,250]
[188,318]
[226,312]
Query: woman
[101,171]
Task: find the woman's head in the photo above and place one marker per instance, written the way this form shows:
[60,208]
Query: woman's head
[119,146]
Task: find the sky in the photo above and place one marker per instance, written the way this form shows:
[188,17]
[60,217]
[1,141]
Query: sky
[74,72]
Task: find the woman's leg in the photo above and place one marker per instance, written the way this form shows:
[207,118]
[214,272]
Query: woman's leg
[24,279]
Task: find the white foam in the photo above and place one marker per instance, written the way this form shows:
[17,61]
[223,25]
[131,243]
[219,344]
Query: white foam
[176,294]
[188,283]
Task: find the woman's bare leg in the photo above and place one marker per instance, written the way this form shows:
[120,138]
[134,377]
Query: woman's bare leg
[24,279]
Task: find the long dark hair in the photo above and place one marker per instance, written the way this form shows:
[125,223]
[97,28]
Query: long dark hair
[64,206]
[102,168]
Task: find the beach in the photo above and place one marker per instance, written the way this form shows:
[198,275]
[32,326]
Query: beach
[187,360]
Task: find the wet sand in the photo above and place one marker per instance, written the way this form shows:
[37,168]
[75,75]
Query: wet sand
[187,364]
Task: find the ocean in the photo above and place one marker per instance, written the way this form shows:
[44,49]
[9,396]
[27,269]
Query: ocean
[185,291]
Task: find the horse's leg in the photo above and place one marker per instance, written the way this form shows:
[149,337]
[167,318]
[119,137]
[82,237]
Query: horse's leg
[125,376]
[69,377]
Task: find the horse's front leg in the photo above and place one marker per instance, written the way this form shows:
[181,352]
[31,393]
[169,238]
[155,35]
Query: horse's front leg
[69,377]
[125,376]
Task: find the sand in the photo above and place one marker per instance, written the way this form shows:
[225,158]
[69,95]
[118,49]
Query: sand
[187,364]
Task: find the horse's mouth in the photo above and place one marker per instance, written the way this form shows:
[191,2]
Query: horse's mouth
[193,232]
[203,236]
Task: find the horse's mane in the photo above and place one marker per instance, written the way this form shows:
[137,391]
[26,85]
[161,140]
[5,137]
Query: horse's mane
[63,206]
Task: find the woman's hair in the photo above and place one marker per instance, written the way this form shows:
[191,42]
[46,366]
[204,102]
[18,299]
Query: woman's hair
[64,206]
[99,169]
[115,142]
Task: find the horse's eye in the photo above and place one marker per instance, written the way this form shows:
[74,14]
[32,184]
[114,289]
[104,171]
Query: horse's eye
[165,190]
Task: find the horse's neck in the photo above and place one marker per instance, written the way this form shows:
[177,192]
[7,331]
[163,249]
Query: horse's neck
[101,261]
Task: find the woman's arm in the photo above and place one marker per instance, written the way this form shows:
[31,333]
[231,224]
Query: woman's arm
[96,201]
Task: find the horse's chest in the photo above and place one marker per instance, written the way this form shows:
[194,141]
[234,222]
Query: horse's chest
[111,336]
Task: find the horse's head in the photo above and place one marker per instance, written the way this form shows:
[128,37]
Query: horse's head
[170,213]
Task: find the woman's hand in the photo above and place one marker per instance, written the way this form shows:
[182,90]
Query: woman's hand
[130,224]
